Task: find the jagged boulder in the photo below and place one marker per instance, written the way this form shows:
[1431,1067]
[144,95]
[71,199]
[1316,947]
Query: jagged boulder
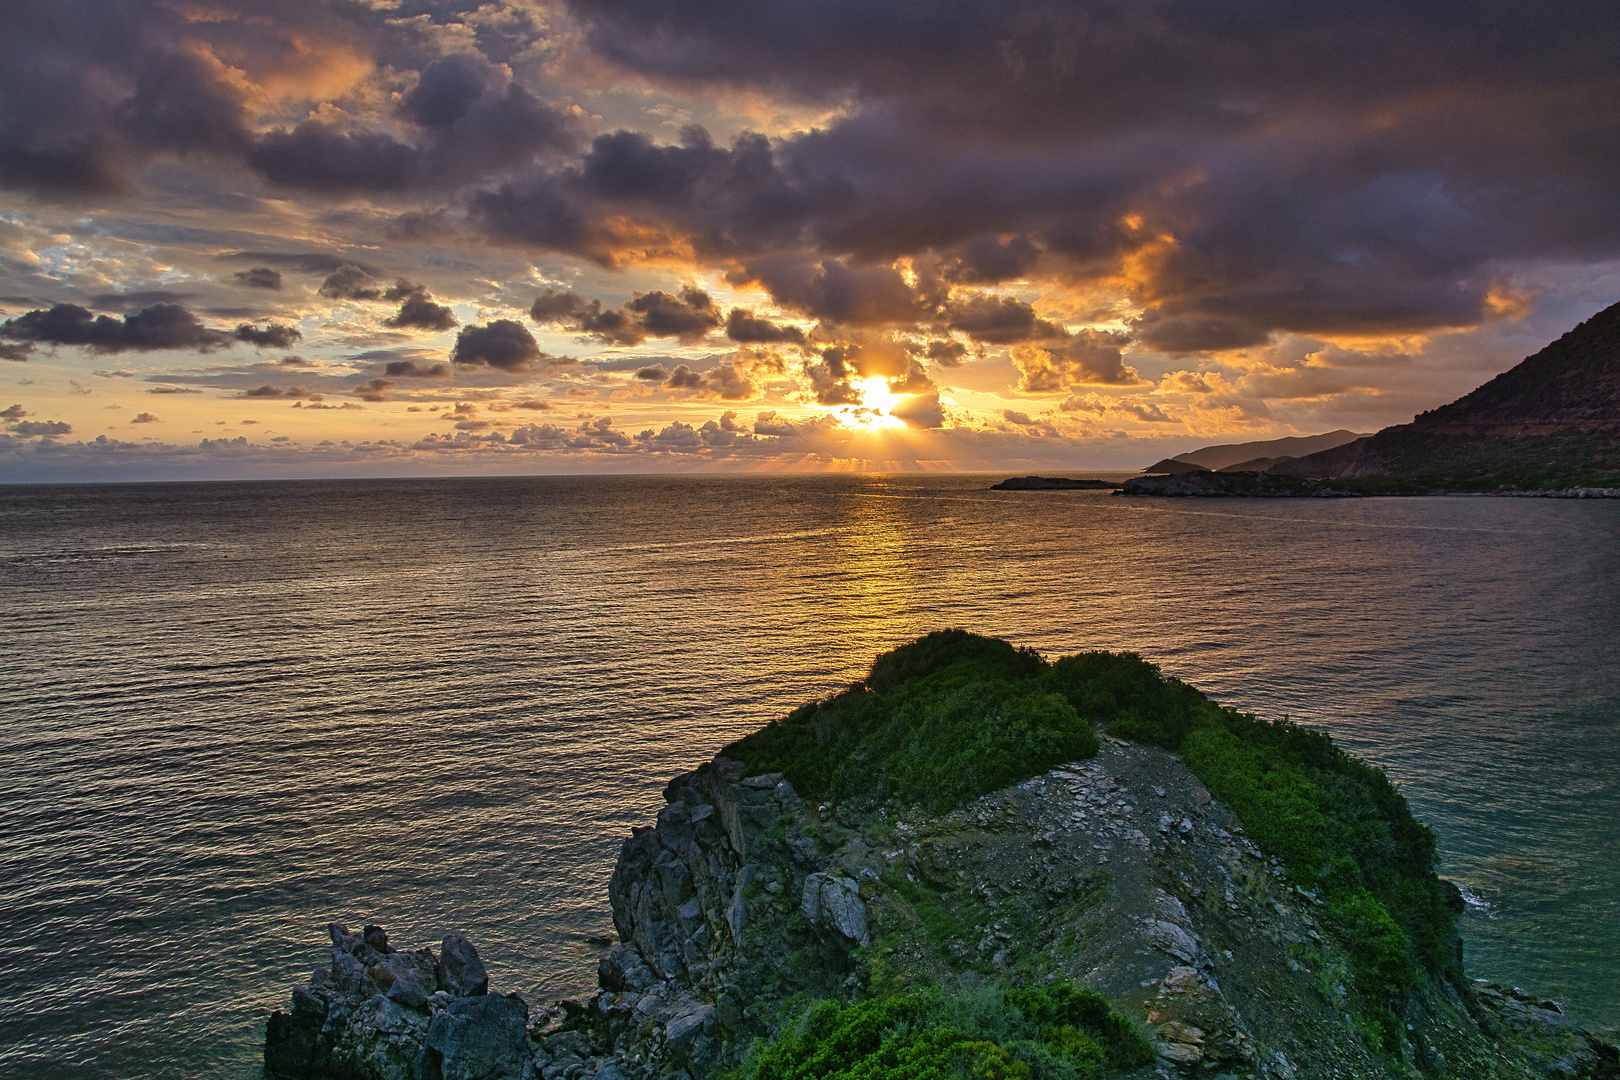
[835,902]
[478,1038]
[379,1013]
[460,972]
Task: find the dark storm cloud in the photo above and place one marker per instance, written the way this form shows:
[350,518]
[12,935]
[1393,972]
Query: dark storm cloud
[308,262]
[472,120]
[321,157]
[259,277]
[41,427]
[629,196]
[502,344]
[1345,168]
[410,369]
[999,320]
[689,316]
[18,353]
[945,352]
[417,309]
[349,282]
[744,326]
[373,390]
[160,326]
[96,90]
[270,336]
[1352,167]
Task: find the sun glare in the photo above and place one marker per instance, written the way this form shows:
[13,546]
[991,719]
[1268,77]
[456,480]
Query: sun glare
[876,402]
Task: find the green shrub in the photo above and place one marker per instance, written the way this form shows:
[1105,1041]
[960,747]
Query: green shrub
[937,723]
[1063,1033]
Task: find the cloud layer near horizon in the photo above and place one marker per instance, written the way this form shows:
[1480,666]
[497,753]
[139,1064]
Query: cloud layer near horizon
[1111,221]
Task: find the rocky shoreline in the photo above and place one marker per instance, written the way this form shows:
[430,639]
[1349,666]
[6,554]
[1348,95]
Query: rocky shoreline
[1268,485]
[1121,873]
[1053,483]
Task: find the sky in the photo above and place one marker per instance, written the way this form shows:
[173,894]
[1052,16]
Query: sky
[364,238]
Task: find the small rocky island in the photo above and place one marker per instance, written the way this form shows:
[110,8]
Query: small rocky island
[1053,483]
[979,863]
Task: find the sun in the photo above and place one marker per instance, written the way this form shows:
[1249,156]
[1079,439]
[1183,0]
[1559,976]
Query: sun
[877,401]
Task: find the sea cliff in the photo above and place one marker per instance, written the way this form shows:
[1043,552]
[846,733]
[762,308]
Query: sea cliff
[945,868]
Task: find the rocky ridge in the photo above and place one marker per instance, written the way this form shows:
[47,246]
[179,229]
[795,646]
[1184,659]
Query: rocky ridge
[745,901]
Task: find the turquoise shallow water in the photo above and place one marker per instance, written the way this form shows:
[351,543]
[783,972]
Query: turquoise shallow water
[236,711]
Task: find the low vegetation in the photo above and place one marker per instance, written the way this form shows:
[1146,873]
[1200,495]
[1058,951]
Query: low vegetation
[937,723]
[954,716]
[1057,1033]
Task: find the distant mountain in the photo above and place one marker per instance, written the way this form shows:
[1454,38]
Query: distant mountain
[1552,422]
[1229,454]
[1174,467]
[1574,383]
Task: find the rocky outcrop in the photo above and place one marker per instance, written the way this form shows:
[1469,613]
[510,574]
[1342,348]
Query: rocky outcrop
[383,1014]
[1121,874]
[1244,484]
[1052,483]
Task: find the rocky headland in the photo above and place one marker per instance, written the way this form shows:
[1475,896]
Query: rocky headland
[945,869]
[1548,426]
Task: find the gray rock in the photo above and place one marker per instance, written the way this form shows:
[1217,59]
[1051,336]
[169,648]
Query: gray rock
[478,1038]
[342,939]
[349,976]
[622,969]
[684,1033]
[381,1040]
[576,1043]
[1173,940]
[835,902]
[377,938]
[410,976]
[460,971]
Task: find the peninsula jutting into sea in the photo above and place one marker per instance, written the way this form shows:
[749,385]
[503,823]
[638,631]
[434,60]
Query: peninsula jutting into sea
[976,862]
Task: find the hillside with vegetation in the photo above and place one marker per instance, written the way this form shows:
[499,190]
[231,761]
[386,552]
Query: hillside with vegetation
[1550,425]
[980,863]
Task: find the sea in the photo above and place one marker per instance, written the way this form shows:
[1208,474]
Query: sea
[235,712]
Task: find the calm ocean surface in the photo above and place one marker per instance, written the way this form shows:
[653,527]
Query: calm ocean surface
[233,712]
